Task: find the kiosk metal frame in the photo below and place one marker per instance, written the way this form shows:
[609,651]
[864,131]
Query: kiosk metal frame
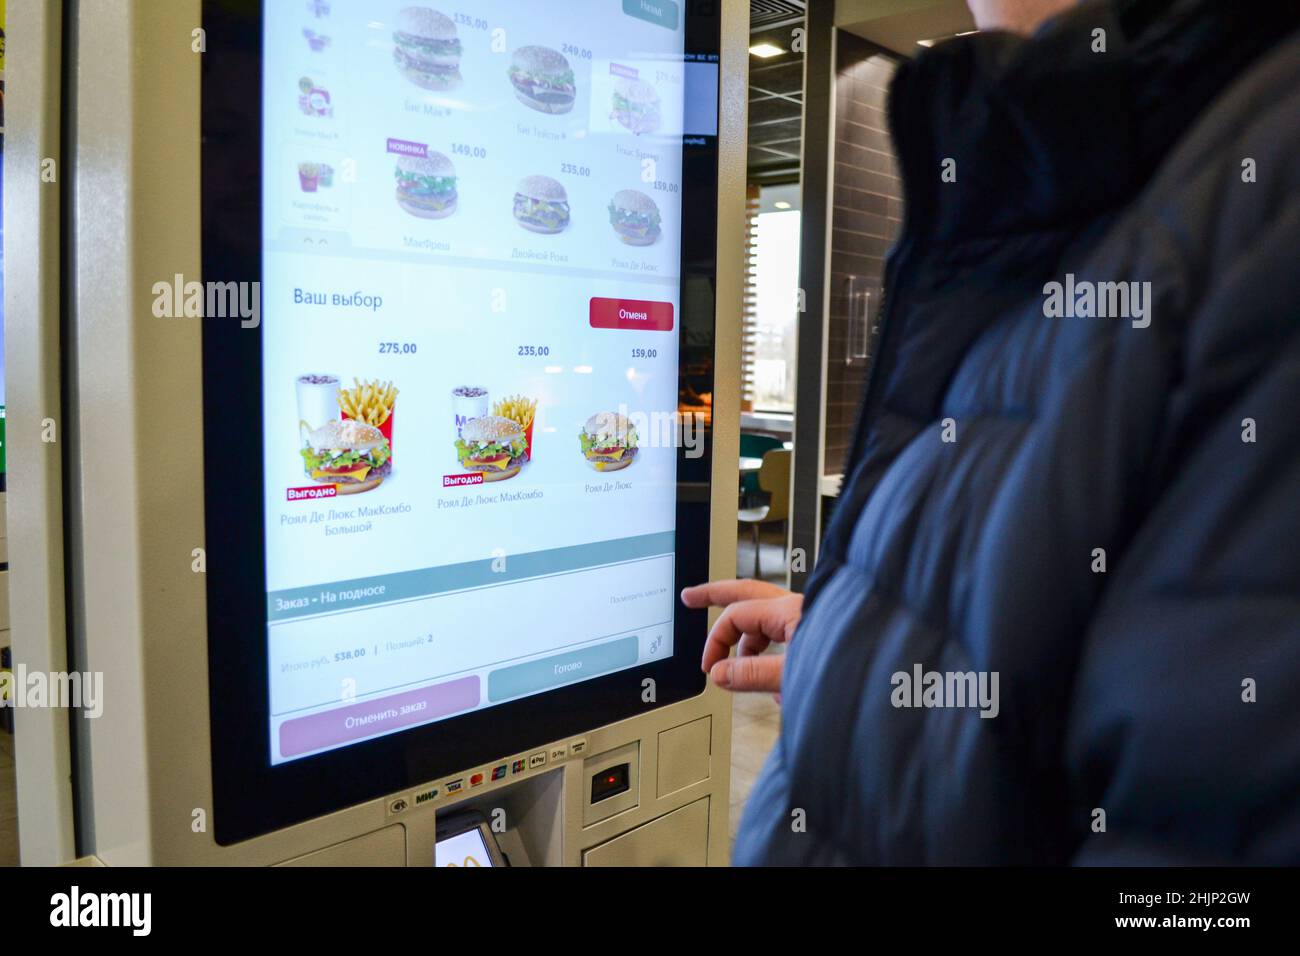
[132,453]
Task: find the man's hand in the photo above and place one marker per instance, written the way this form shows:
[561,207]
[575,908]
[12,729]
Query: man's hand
[757,613]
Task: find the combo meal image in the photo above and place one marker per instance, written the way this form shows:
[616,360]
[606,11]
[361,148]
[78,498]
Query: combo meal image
[349,431]
[426,48]
[542,205]
[350,454]
[608,441]
[492,445]
[543,80]
[635,217]
[426,185]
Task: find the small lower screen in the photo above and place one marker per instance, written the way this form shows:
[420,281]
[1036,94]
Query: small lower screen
[472,226]
[462,849]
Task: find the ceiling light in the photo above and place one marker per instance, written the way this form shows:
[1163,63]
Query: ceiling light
[781,204]
[932,42]
[765,50]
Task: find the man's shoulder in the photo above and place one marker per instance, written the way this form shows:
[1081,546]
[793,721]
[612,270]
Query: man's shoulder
[1216,227]
[1239,156]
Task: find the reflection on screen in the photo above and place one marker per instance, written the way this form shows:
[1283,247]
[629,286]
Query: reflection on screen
[471,253]
[462,849]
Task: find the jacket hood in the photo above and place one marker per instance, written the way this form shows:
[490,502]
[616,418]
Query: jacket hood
[1068,130]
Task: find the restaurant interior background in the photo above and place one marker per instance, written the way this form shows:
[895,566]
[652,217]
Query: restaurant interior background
[823,206]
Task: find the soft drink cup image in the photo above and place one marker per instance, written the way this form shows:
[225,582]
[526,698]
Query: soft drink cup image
[468,401]
[318,401]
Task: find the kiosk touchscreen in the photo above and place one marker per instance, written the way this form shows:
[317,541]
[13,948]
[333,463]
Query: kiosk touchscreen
[454,459]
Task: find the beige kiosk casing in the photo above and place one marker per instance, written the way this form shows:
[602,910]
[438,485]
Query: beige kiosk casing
[130,448]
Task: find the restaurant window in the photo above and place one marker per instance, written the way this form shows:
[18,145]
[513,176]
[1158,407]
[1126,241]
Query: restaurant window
[774,310]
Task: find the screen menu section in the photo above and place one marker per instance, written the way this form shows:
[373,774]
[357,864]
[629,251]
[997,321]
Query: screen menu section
[472,221]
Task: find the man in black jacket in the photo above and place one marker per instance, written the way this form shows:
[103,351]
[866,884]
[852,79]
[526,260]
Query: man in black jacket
[1056,616]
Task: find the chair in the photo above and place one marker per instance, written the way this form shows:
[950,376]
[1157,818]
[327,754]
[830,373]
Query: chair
[774,478]
[754,445]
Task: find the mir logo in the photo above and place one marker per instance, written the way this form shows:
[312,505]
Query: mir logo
[102,909]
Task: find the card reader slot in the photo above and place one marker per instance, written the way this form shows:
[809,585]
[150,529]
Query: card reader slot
[610,782]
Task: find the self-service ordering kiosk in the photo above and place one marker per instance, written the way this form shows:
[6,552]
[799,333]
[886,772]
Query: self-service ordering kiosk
[394,352]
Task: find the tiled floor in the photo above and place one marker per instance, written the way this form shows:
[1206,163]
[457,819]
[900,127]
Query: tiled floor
[771,557]
[755,718]
[755,724]
[8,803]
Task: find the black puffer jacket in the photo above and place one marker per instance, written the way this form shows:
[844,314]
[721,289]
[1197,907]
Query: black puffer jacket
[1172,158]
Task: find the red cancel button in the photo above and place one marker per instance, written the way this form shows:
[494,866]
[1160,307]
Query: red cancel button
[631,314]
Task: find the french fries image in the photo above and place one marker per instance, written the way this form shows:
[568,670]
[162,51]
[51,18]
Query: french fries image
[370,402]
[516,408]
[521,411]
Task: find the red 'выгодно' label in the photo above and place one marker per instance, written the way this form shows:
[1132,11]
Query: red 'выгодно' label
[311,492]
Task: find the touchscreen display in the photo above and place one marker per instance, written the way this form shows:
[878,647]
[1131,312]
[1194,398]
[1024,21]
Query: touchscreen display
[472,227]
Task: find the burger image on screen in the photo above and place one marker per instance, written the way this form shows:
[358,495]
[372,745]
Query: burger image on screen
[350,454]
[608,441]
[635,217]
[542,205]
[492,445]
[426,48]
[426,185]
[543,80]
[636,105]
